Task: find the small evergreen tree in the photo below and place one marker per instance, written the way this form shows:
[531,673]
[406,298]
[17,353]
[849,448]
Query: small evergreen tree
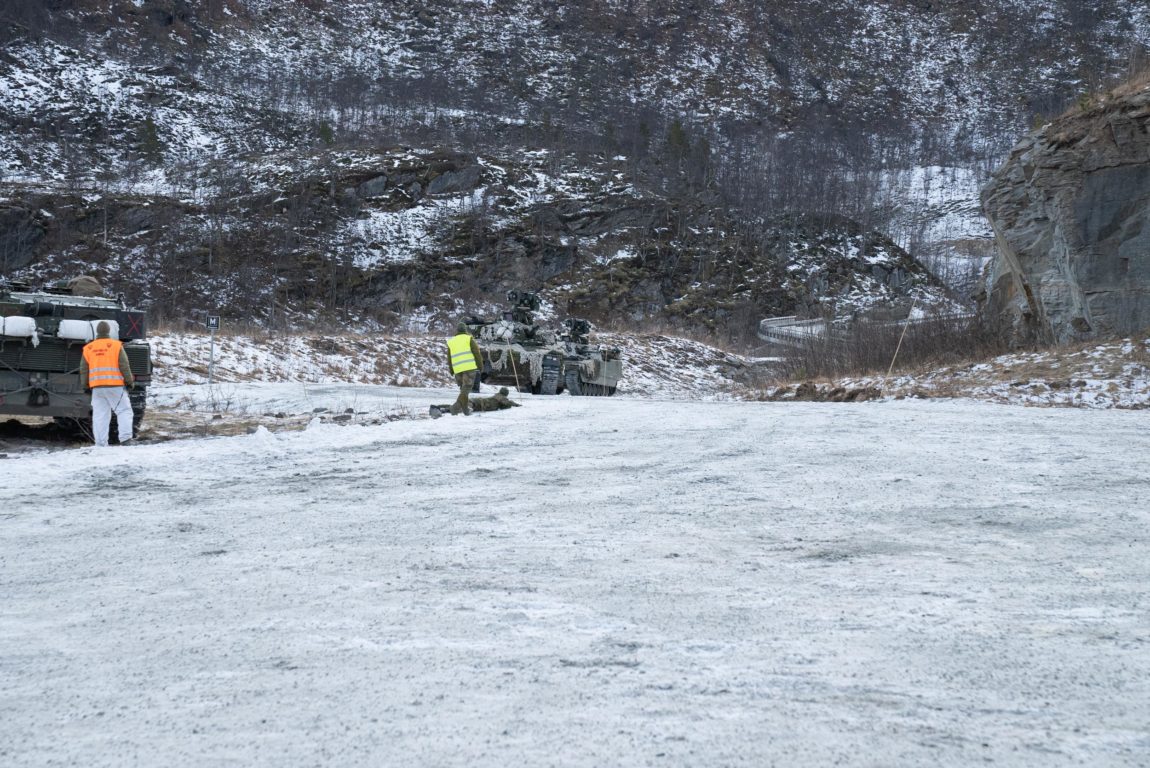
[148,141]
[325,133]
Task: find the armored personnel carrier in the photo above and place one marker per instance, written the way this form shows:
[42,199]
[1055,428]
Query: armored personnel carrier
[518,353]
[42,337]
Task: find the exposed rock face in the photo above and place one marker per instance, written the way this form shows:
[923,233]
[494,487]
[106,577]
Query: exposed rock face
[1071,214]
[20,236]
[401,236]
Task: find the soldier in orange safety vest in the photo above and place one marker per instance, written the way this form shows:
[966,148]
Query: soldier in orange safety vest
[464,361]
[105,370]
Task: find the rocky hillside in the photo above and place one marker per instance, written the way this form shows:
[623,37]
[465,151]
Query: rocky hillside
[692,164]
[414,240]
[1071,210]
[225,76]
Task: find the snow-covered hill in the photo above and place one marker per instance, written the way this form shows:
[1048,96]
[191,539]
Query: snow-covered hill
[238,155]
[236,74]
[415,239]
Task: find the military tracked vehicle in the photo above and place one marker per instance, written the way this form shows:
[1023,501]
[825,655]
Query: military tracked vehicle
[42,337]
[519,353]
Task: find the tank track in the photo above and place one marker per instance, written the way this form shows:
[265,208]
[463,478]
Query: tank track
[583,389]
[549,378]
[574,386]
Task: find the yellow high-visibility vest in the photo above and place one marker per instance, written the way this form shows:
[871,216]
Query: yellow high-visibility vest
[459,347]
[103,357]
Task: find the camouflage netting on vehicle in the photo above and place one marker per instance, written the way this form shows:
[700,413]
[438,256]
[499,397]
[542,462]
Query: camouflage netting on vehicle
[501,359]
[85,285]
[502,330]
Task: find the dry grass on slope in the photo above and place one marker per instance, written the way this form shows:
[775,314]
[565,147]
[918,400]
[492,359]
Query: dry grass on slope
[1111,374]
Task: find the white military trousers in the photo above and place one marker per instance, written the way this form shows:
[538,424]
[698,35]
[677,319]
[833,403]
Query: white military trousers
[105,402]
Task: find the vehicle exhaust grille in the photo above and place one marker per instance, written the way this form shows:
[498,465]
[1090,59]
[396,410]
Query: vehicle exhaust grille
[46,357]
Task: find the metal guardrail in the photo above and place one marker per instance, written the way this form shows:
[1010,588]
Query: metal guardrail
[789,331]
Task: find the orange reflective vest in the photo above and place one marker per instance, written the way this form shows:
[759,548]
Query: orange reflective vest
[103,358]
[459,347]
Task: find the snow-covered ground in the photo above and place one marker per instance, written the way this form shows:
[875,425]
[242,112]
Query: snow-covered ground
[1107,374]
[585,582]
[653,365]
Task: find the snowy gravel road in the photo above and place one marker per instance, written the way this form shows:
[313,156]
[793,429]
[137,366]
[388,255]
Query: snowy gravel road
[586,582]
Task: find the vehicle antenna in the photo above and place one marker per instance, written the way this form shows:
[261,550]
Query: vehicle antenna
[901,336]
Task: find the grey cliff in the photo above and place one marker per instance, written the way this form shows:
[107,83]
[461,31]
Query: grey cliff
[1071,215]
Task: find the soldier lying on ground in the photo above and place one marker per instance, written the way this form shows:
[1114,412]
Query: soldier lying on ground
[496,402]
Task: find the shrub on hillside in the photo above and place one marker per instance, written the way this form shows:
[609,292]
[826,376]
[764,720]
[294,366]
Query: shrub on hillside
[871,346]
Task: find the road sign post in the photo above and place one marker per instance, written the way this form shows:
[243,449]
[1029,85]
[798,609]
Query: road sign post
[213,324]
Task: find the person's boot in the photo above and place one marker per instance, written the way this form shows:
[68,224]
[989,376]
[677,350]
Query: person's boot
[434,412]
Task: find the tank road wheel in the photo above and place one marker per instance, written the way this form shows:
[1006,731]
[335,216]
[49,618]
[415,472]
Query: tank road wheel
[585,389]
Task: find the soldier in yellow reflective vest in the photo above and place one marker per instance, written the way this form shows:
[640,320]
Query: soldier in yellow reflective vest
[464,361]
[104,369]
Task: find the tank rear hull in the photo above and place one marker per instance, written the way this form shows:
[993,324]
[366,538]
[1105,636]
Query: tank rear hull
[41,351]
[44,380]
